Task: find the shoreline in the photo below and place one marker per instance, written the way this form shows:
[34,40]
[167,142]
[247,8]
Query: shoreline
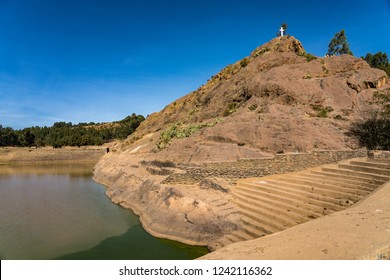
[145,219]
[49,155]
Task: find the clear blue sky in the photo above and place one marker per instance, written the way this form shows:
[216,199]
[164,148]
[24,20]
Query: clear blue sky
[101,60]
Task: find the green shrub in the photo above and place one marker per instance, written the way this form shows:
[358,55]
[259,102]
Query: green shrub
[322,112]
[230,109]
[309,57]
[244,62]
[261,52]
[180,131]
[373,130]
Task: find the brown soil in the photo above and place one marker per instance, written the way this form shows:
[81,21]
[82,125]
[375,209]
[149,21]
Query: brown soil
[12,155]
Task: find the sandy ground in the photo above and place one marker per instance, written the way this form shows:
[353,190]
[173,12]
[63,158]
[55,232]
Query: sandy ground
[359,232]
[13,155]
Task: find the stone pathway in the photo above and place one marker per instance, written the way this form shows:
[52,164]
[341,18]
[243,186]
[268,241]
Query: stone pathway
[275,203]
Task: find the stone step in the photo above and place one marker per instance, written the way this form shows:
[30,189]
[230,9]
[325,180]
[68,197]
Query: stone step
[364,187]
[284,198]
[224,241]
[321,187]
[257,198]
[338,170]
[271,225]
[336,203]
[312,195]
[381,165]
[256,227]
[352,177]
[253,232]
[228,212]
[382,160]
[333,188]
[242,235]
[233,238]
[366,169]
[281,210]
[299,195]
[262,217]
[273,204]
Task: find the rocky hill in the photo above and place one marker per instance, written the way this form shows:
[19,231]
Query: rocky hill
[272,101]
[278,100]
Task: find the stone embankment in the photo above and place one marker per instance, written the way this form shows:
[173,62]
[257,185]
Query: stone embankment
[275,203]
[246,168]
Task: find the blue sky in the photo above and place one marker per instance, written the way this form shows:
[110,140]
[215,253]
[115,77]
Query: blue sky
[101,60]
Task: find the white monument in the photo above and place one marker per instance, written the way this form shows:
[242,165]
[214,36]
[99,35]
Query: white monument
[281,31]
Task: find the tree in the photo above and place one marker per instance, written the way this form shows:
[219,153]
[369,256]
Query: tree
[8,137]
[26,138]
[339,45]
[378,60]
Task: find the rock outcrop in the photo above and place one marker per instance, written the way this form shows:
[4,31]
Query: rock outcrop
[277,100]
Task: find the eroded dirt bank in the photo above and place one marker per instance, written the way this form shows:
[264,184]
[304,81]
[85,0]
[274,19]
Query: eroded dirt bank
[182,212]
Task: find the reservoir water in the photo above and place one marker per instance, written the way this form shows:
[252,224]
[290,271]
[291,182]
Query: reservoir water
[59,212]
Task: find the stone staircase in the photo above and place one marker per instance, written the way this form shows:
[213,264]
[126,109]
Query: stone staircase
[275,203]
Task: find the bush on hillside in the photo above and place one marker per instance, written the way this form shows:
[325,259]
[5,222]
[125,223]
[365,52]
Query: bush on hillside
[373,130]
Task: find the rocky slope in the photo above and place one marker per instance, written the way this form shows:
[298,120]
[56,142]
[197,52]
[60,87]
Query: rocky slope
[273,101]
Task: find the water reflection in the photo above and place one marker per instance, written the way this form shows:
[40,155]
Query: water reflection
[58,211]
[79,169]
[49,211]
[136,244]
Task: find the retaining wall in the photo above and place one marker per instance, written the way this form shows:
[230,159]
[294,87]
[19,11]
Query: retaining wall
[245,168]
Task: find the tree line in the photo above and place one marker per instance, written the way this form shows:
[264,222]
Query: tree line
[68,134]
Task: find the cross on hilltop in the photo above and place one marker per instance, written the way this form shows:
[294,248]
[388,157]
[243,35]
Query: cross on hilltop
[282,30]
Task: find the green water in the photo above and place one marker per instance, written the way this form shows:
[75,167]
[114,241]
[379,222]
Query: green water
[59,212]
